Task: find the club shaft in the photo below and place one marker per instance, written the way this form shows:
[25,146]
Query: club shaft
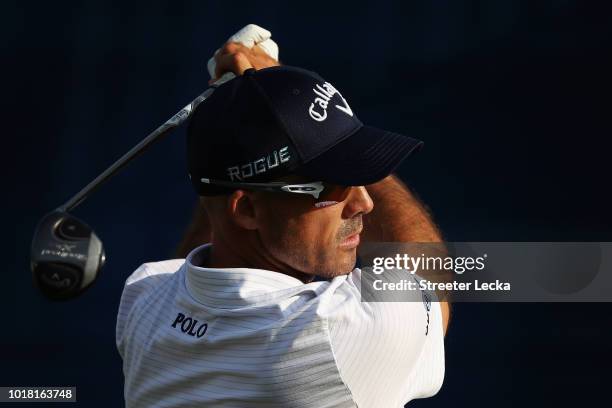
[175,121]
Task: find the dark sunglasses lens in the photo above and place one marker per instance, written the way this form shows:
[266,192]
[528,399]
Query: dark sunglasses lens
[333,193]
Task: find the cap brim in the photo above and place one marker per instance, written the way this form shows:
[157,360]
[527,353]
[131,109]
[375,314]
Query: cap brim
[365,157]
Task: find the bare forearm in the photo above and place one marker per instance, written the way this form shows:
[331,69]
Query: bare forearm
[398,216]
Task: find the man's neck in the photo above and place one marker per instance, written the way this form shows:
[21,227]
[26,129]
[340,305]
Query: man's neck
[223,256]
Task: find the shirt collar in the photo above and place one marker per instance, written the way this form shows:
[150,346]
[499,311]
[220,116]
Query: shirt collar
[235,287]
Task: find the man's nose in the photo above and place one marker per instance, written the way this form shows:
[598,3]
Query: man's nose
[358,202]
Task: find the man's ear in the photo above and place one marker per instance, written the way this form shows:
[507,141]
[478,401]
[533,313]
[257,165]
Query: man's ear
[241,210]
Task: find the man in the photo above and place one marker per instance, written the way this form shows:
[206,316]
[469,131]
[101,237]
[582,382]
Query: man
[291,183]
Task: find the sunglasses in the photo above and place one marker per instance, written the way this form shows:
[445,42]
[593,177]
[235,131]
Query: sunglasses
[323,194]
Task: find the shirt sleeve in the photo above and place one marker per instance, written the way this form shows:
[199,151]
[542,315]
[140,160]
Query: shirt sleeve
[137,285]
[387,353]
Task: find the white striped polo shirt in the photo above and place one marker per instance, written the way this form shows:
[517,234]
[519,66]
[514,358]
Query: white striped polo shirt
[193,336]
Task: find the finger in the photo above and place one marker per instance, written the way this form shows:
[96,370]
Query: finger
[236,63]
[257,57]
[250,35]
[269,47]
[227,48]
[232,48]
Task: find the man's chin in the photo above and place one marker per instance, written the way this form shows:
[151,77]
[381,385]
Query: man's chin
[339,269]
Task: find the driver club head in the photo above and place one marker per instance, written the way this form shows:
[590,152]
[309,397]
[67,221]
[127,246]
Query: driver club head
[66,256]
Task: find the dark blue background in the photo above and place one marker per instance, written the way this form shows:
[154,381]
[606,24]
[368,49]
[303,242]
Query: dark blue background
[511,98]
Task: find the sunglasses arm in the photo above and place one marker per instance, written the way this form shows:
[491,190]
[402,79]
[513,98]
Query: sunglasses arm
[314,188]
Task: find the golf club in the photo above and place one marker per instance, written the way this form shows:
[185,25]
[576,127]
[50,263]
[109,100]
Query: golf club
[66,254]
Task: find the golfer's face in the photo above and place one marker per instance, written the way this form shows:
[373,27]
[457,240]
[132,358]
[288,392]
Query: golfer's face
[316,241]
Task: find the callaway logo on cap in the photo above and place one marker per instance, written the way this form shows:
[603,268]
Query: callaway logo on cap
[286,120]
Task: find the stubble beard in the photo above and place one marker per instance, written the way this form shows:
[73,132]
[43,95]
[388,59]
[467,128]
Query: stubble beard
[330,262]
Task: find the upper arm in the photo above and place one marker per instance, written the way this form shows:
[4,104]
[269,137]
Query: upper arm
[142,281]
[388,352]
